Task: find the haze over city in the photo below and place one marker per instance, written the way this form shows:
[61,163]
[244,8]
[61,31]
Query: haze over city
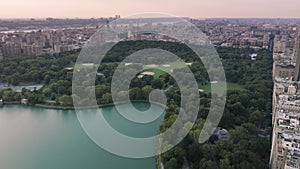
[190,8]
[116,84]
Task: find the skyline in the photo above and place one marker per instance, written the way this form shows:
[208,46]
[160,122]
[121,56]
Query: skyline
[190,8]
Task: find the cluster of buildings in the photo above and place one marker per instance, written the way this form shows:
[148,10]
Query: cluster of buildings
[244,33]
[44,41]
[56,37]
[49,36]
[53,38]
[285,153]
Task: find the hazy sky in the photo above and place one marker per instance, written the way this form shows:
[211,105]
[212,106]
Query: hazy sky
[191,8]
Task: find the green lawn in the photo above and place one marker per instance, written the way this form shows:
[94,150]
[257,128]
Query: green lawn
[230,86]
[160,69]
[156,71]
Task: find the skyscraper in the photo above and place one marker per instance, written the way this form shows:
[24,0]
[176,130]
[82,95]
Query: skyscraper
[297,58]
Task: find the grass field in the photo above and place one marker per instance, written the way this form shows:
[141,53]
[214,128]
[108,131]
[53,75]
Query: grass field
[163,69]
[230,86]
[156,71]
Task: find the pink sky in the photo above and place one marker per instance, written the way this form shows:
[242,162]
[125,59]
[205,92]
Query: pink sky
[190,8]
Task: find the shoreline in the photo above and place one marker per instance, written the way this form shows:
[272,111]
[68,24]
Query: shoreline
[54,107]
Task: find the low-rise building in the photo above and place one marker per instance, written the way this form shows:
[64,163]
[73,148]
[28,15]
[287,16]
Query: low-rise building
[24,101]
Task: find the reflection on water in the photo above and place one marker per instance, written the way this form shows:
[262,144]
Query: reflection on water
[34,138]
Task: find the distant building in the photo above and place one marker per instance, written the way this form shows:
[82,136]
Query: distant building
[253,56]
[297,58]
[24,101]
[11,49]
[285,71]
[292,89]
[32,50]
[222,134]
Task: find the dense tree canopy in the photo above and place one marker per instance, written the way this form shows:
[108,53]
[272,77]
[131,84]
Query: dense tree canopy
[247,110]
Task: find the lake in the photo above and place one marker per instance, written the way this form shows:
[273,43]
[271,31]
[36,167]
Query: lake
[36,138]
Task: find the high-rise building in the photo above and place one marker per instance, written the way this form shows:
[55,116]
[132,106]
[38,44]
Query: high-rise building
[11,49]
[297,58]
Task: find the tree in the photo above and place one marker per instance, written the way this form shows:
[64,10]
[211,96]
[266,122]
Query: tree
[47,92]
[146,91]
[205,164]
[158,84]
[106,98]
[8,95]
[172,164]
[66,100]
[135,94]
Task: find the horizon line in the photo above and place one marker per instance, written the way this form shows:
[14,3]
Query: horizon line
[225,17]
